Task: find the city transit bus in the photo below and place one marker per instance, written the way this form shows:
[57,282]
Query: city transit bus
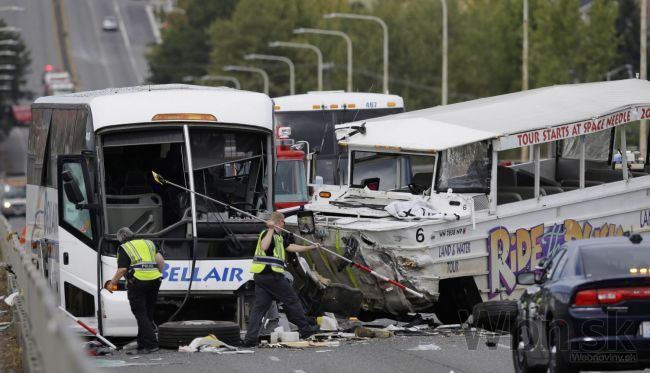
[312,117]
[89,173]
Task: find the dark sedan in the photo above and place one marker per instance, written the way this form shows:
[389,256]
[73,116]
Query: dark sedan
[588,308]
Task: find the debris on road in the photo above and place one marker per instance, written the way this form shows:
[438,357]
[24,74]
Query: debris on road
[373,332]
[212,344]
[429,347]
[11,299]
[5,325]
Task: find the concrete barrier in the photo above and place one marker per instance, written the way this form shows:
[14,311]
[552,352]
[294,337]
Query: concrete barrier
[47,343]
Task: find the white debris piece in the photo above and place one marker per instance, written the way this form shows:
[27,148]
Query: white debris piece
[11,299]
[430,347]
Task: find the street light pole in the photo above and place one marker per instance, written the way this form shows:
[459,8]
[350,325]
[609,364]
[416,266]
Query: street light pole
[524,56]
[643,128]
[384,28]
[268,57]
[249,69]
[444,51]
[315,49]
[333,33]
[222,78]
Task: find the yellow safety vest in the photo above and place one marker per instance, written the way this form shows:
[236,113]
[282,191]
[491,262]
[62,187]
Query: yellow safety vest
[143,259]
[261,260]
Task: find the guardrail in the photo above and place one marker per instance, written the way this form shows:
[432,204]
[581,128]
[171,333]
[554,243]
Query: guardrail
[47,343]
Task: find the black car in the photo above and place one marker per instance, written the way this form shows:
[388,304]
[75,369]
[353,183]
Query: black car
[588,308]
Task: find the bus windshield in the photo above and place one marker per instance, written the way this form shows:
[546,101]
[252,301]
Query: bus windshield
[317,128]
[228,165]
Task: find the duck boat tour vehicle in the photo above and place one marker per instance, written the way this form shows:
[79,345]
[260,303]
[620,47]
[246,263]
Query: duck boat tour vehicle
[468,221]
[89,173]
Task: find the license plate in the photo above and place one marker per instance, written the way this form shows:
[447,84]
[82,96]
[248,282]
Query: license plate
[645,329]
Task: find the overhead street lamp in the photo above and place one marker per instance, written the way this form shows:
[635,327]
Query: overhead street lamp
[268,57]
[249,69]
[315,49]
[333,33]
[223,78]
[384,28]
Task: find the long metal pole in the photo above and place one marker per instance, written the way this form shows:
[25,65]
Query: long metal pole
[524,68]
[315,49]
[292,69]
[333,33]
[265,76]
[160,180]
[444,51]
[643,128]
[384,27]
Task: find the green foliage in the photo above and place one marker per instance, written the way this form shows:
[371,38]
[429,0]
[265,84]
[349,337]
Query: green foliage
[185,50]
[567,44]
[12,88]
[568,47]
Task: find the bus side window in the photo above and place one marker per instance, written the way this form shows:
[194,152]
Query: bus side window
[78,219]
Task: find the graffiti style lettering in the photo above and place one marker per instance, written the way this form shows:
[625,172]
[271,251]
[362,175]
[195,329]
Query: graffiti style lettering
[511,253]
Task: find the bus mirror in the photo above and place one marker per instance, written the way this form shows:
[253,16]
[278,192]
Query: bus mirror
[317,150]
[71,188]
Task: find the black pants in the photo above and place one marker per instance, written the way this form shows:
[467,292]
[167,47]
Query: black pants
[142,298]
[270,287]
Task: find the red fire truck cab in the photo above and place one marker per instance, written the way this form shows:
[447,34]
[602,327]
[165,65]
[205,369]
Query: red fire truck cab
[291,187]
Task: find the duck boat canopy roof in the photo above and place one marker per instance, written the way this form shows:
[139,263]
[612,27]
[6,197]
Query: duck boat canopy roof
[511,121]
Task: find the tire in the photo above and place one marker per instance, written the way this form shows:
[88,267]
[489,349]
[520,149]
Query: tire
[180,333]
[496,315]
[519,358]
[556,363]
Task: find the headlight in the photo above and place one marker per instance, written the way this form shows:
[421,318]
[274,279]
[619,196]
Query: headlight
[7,204]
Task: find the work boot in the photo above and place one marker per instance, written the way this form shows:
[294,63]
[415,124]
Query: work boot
[247,344]
[309,332]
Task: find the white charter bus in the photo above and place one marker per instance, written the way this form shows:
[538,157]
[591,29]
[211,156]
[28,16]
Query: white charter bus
[103,145]
[312,117]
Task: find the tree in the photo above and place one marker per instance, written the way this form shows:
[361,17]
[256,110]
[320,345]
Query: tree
[15,59]
[568,46]
[185,50]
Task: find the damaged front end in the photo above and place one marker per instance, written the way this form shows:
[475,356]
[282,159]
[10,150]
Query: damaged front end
[331,284]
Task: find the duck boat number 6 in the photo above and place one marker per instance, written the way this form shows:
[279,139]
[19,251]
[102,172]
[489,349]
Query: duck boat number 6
[469,220]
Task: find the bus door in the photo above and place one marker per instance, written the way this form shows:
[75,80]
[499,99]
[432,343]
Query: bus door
[78,236]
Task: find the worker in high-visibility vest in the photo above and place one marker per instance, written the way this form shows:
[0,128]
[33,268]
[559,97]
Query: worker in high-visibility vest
[270,283]
[141,264]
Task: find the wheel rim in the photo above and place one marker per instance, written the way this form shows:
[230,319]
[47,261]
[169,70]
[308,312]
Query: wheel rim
[552,364]
[520,353]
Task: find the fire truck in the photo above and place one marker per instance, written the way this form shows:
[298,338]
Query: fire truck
[291,177]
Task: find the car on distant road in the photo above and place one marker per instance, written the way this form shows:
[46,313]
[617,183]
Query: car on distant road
[109,23]
[14,195]
[587,307]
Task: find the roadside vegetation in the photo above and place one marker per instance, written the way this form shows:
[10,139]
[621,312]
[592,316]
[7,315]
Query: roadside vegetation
[568,43]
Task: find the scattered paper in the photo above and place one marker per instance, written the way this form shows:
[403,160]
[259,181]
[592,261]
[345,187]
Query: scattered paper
[11,298]
[430,347]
